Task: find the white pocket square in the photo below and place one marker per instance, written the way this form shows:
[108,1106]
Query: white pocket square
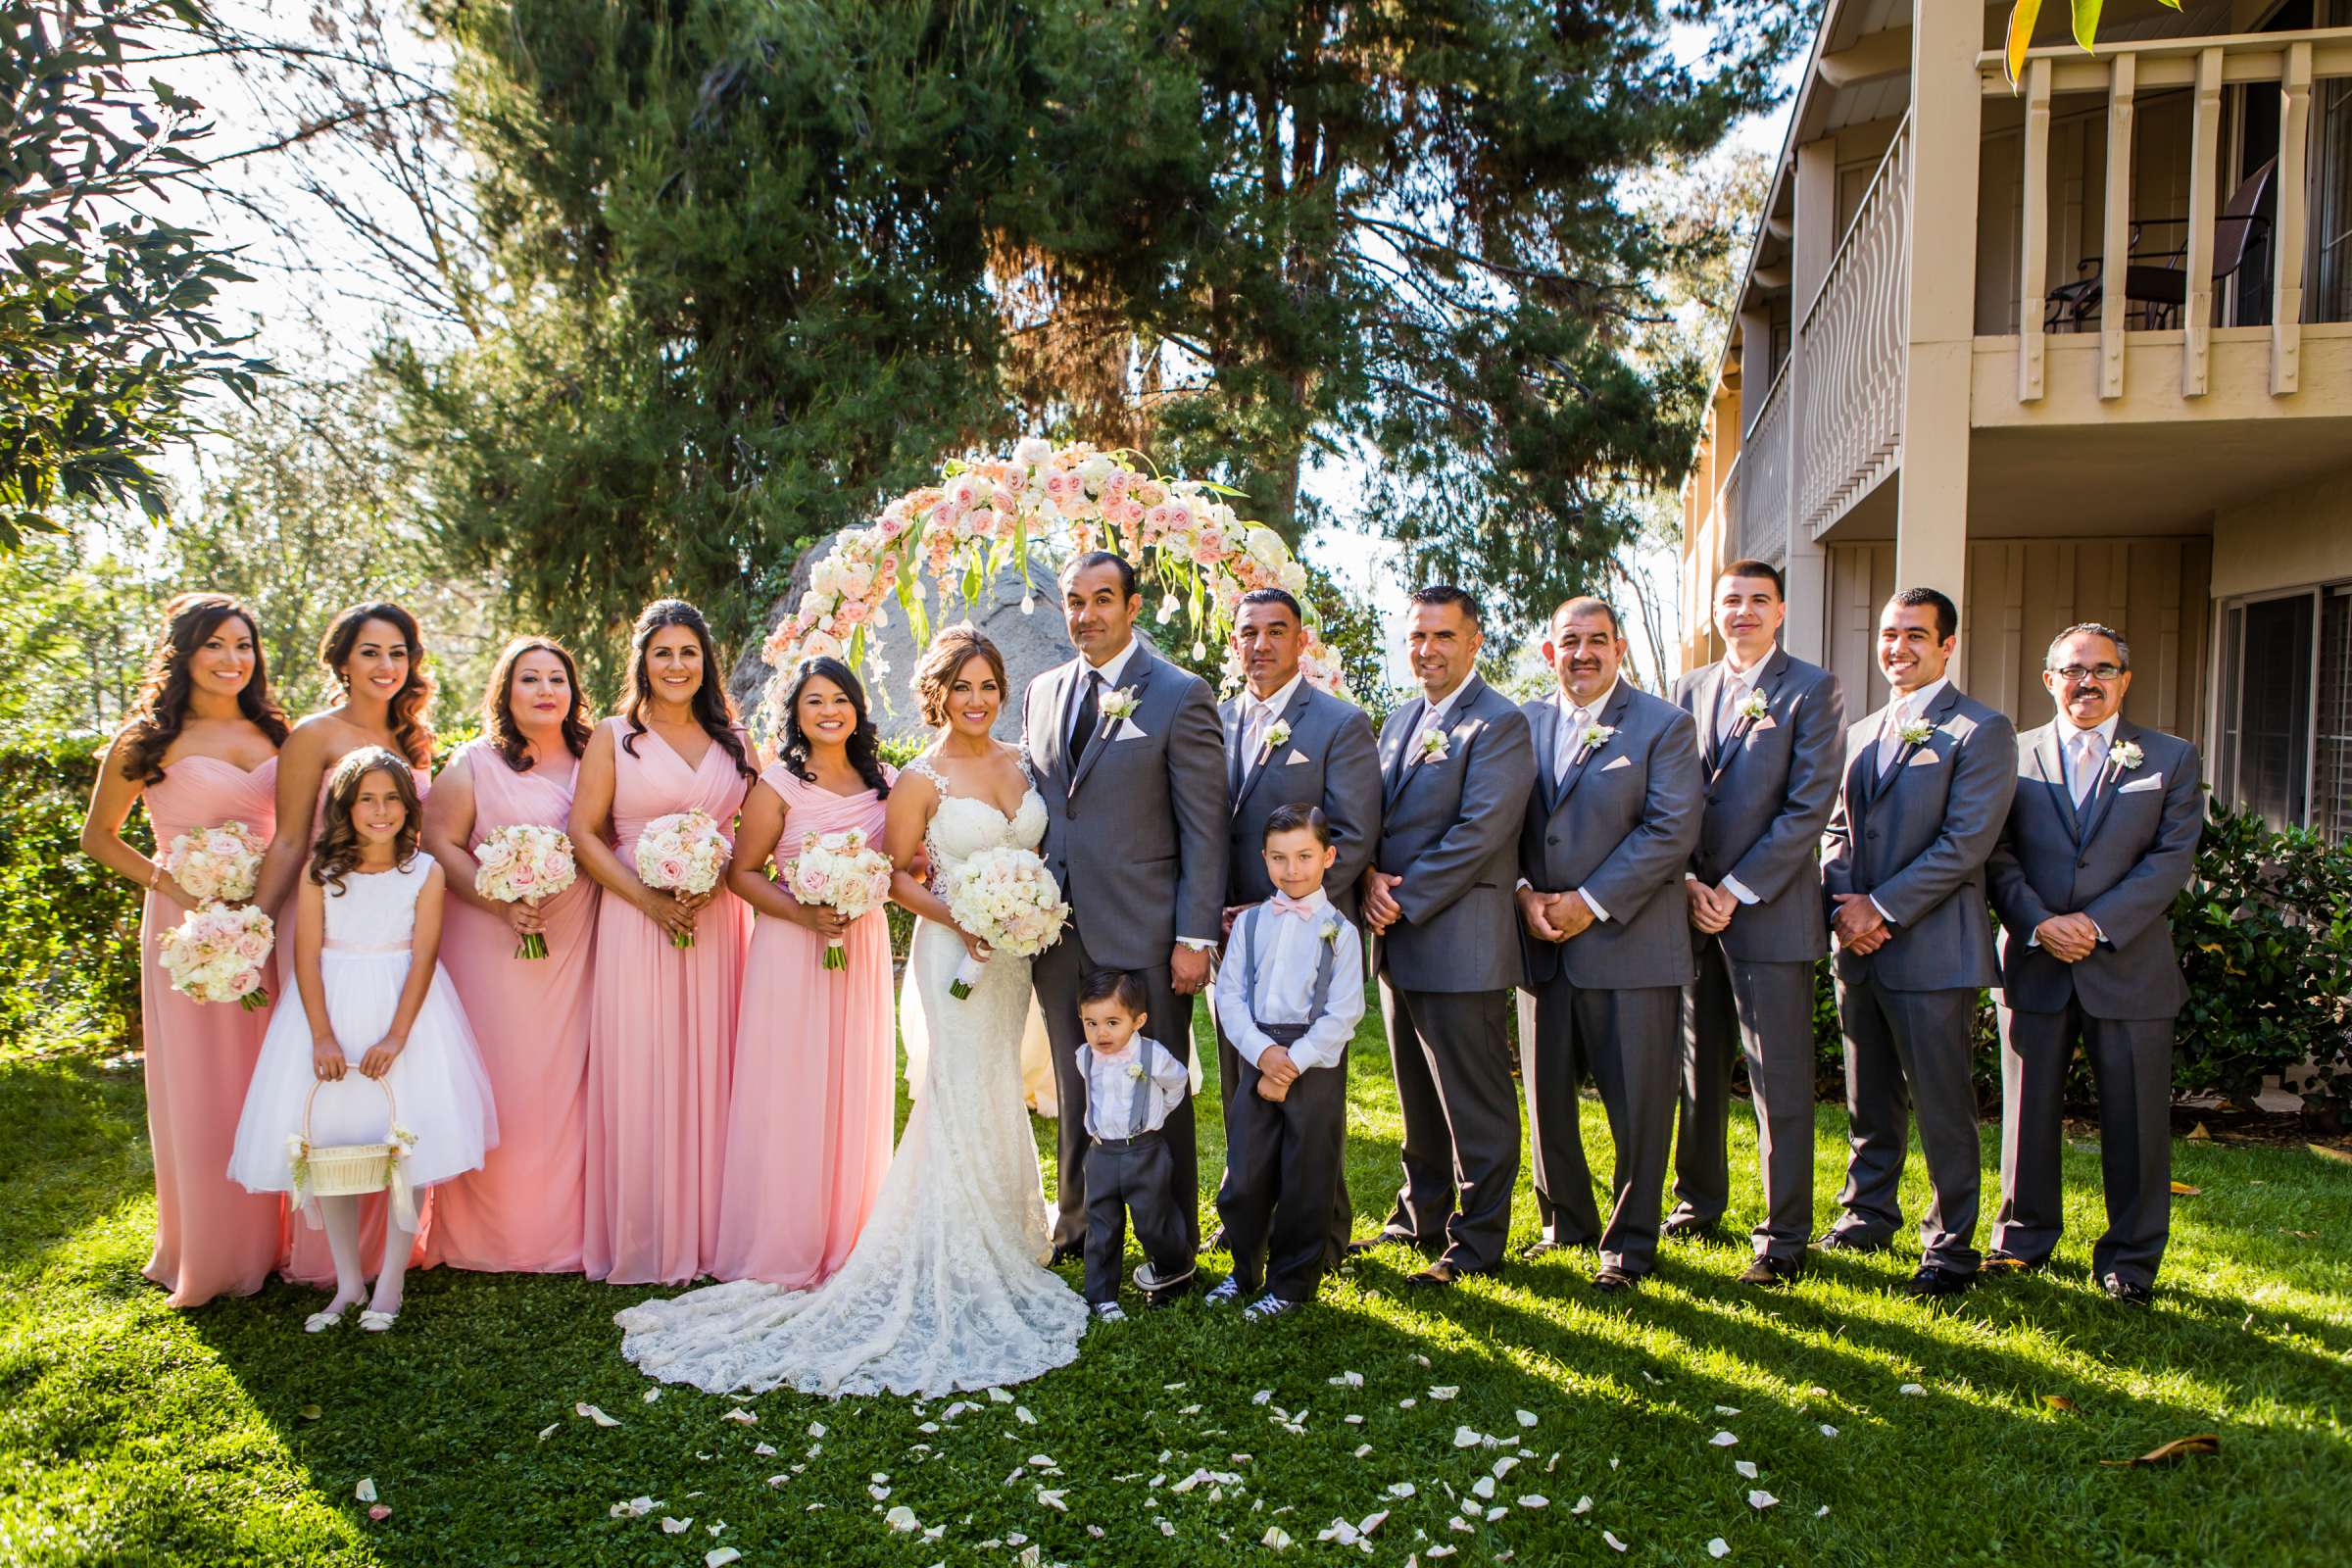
[1622,761]
[2154,781]
[1130,730]
[1923,758]
[1295,759]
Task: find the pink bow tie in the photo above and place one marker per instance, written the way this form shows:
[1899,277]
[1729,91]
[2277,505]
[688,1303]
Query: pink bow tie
[1284,903]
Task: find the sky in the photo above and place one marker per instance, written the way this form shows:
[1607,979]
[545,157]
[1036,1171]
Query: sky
[318,302]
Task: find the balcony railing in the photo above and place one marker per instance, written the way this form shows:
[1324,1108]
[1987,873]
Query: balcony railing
[2206,66]
[1763,497]
[1851,344]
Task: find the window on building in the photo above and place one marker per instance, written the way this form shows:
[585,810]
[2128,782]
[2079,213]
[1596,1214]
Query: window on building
[2285,737]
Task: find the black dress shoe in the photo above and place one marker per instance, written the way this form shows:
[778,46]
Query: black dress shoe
[1931,1281]
[2127,1293]
[1996,1259]
[1852,1241]
[1065,1255]
[1612,1280]
[1365,1244]
[1686,1228]
[1438,1274]
[1771,1272]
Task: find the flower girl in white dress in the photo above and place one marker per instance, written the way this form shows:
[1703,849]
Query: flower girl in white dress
[367,936]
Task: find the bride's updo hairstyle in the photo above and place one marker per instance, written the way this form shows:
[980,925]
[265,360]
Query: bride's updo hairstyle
[935,676]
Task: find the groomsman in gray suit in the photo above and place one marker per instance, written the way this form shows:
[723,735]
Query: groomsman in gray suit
[2102,836]
[1927,783]
[1456,773]
[1610,830]
[1287,743]
[1126,750]
[1771,732]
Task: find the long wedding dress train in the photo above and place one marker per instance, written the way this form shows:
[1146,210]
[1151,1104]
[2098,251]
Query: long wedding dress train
[946,1287]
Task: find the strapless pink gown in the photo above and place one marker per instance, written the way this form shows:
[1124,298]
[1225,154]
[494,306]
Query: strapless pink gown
[808,1130]
[304,1259]
[212,1236]
[520,1213]
[660,1039]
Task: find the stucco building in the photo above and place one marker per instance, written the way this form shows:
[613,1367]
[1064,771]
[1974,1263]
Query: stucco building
[1936,376]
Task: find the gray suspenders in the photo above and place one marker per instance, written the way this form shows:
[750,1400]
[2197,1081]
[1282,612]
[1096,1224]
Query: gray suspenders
[1283,1034]
[1138,1106]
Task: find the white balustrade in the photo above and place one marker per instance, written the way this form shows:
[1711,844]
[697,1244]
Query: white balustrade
[1853,349]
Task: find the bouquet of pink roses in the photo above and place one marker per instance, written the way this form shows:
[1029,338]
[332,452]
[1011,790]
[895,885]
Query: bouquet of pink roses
[1007,899]
[216,864]
[681,852]
[839,872]
[524,863]
[216,954]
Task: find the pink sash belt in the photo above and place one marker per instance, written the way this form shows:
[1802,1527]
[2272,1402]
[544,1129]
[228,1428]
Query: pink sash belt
[368,947]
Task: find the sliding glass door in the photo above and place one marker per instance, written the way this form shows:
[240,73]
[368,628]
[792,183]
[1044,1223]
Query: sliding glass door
[2284,736]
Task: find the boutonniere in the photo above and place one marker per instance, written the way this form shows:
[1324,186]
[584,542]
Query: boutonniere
[1435,746]
[1916,732]
[2126,755]
[1135,1069]
[1330,932]
[1596,737]
[1278,733]
[1119,704]
[1753,707]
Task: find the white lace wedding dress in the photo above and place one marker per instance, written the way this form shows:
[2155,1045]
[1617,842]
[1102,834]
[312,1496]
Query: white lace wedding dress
[946,1287]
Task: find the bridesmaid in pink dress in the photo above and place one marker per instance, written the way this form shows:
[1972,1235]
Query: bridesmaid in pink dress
[375,653]
[520,1213]
[661,1025]
[202,750]
[808,1130]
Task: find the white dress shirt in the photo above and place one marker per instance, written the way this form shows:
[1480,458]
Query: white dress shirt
[2082,773]
[1110,1086]
[1257,717]
[1288,949]
[1434,716]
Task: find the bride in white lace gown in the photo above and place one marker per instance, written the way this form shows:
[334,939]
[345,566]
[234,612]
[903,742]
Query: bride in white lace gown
[946,1287]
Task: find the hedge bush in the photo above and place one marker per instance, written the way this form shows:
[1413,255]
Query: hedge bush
[69,927]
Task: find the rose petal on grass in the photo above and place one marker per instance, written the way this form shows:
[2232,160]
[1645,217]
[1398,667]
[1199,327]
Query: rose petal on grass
[740,1416]
[1746,1468]
[653,1394]
[1910,1388]
[1725,1409]
[1760,1500]
[1262,1396]
[1535,1499]
[1527,1418]
[1054,1500]
[674,1527]
[1582,1505]
[1611,1538]
[1719,1547]
[549,1430]
[1827,1430]
[901,1518]
[816,1428]
[1723,1440]
[1362,1449]
[998,1397]
[1401,1488]
[1444,1390]
[366,1489]
[594,1414]
[1483,1487]
[1465,1438]
[720,1557]
[1277,1537]
[1505,1465]
[1020,1414]
[1348,1380]
[1822,1512]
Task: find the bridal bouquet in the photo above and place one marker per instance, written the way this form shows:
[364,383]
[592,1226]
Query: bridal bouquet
[1007,899]
[216,864]
[524,863]
[216,954]
[681,852]
[839,872]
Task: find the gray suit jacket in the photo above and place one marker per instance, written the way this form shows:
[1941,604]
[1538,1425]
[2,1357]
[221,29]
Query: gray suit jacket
[1917,841]
[1450,829]
[1329,761]
[1621,825]
[2122,861]
[1770,785]
[1135,827]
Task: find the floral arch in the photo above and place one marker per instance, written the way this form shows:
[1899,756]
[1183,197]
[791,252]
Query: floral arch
[988,512]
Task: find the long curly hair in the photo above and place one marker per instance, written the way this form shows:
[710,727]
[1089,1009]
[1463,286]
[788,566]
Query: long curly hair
[713,708]
[337,853]
[499,725]
[162,708]
[413,704]
[864,745]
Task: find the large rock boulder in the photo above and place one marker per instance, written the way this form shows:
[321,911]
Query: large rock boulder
[1031,644]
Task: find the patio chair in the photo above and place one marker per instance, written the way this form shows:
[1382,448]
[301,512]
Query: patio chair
[2157,281]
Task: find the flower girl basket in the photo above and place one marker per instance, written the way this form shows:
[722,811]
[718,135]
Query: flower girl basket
[349,1171]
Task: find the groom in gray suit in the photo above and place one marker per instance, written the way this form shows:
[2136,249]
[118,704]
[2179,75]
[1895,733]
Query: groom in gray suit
[1455,772]
[1772,734]
[1608,832]
[1927,783]
[1126,750]
[2102,836]
[1287,743]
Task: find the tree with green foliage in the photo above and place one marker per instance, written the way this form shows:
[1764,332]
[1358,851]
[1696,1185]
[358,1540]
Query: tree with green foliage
[108,332]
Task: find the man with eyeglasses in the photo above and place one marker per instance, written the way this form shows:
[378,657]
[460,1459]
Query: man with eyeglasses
[2101,837]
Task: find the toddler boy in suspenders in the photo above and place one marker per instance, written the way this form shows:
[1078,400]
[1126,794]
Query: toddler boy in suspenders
[1288,996]
[1132,1083]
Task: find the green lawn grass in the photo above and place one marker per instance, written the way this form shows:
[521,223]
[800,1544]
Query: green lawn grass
[132,1434]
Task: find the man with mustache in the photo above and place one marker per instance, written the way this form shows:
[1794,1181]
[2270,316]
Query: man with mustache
[2101,837]
[1610,830]
[1927,783]
[1770,729]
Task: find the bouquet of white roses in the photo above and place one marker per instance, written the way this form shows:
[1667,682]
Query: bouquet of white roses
[839,872]
[524,863]
[216,864]
[1007,899]
[218,953]
[681,852]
